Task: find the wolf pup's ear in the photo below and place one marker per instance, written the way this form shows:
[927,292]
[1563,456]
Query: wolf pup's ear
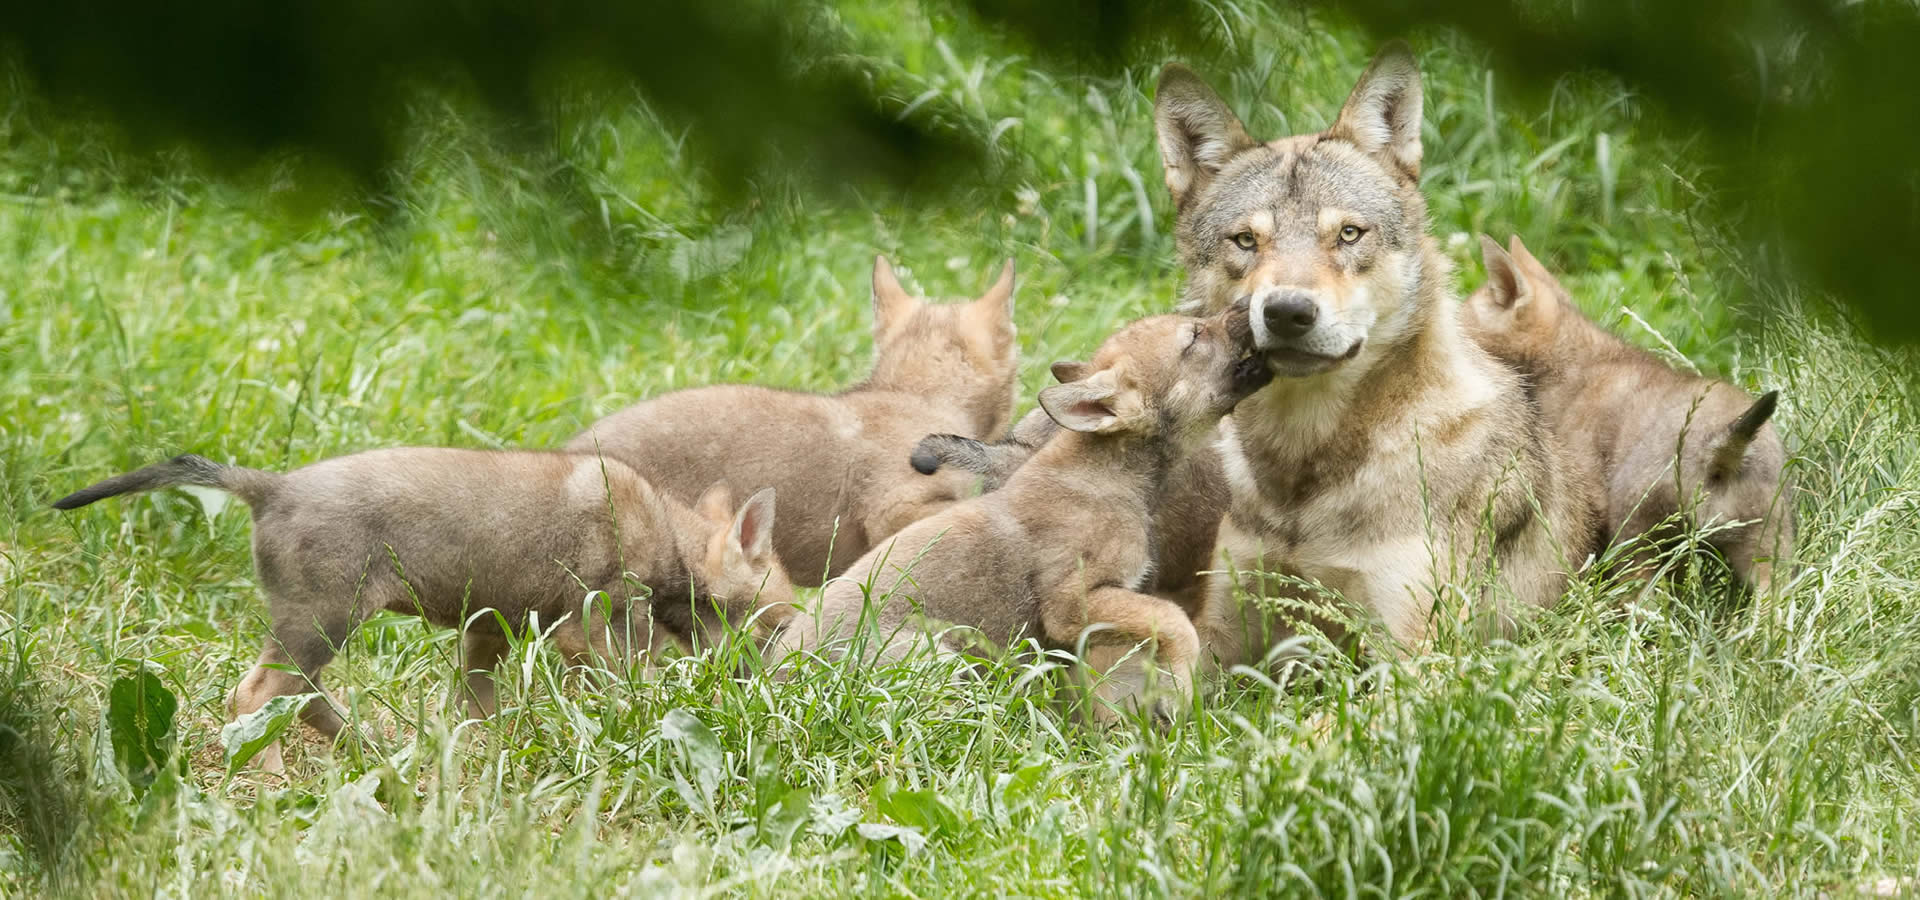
[1508,288]
[1197,132]
[999,297]
[994,309]
[1081,406]
[1530,265]
[1732,450]
[752,533]
[716,504]
[891,303]
[1067,371]
[1382,115]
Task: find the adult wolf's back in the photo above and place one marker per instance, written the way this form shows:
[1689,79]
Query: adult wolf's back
[1390,456]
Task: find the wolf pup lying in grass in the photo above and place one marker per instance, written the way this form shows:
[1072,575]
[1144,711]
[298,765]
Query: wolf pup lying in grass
[841,457]
[465,538]
[1391,457]
[1066,543]
[1634,416]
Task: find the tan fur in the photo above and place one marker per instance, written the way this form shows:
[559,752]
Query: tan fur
[1656,435]
[1186,520]
[466,538]
[1066,544]
[1392,456]
[840,462]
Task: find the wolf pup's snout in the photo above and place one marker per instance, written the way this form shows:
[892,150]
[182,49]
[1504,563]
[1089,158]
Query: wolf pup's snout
[1250,374]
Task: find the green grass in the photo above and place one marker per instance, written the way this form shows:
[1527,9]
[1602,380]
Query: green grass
[1706,746]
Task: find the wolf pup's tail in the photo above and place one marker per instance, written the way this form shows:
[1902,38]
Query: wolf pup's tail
[251,485]
[995,462]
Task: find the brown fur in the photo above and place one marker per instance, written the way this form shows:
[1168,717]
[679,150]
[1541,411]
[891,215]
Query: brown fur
[1391,456]
[465,538]
[1066,544]
[1633,416]
[840,462]
[1186,520]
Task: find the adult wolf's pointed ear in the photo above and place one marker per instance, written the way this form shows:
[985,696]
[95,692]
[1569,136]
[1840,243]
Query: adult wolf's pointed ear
[1382,115]
[891,303]
[1197,132]
[1505,283]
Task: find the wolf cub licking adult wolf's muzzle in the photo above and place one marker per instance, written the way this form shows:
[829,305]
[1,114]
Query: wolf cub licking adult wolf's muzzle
[466,538]
[1065,545]
[1673,449]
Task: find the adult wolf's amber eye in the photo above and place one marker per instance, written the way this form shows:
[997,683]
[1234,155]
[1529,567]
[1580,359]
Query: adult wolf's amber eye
[1245,240]
[1351,233]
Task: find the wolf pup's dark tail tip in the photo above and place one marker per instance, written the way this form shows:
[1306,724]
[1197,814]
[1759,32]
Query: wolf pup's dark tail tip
[183,469]
[924,459]
[75,500]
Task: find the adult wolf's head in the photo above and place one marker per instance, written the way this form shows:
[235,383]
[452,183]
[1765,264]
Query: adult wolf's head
[1321,235]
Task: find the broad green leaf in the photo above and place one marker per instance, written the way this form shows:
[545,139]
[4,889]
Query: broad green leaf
[246,736]
[699,750]
[923,810]
[140,719]
[783,817]
[910,838]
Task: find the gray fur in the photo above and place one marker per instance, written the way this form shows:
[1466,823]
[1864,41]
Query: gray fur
[1390,455]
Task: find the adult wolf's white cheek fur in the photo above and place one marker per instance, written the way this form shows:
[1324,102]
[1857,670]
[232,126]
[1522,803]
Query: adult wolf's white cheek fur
[1365,316]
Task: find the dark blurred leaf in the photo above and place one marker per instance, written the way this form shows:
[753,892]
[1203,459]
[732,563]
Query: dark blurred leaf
[1805,105]
[332,79]
[140,722]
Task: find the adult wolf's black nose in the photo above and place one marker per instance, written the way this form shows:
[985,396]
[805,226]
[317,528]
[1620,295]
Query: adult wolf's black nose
[1290,314]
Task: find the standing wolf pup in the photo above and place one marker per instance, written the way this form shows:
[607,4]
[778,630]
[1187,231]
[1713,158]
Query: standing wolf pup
[1066,544]
[1391,456]
[842,457]
[1635,416]
[450,534]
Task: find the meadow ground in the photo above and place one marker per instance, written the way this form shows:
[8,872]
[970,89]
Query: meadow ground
[1707,745]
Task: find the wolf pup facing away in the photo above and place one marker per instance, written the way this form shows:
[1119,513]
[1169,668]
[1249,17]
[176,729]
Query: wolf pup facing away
[937,368]
[1391,456]
[1066,543]
[457,536]
[1635,417]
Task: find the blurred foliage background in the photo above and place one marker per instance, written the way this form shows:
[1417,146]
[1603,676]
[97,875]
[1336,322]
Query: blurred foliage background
[1800,112]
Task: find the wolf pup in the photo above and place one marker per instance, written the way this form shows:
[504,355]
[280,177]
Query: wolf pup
[1186,521]
[1656,435]
[1391,456]
[841,458]
[1066,543]
[464,538]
